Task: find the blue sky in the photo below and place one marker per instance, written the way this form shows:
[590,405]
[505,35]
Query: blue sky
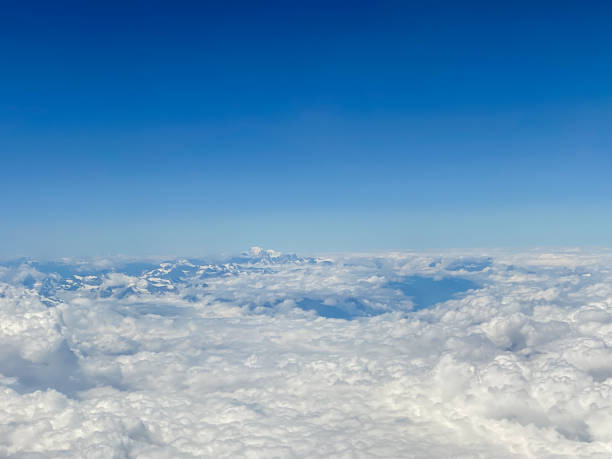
[186,128]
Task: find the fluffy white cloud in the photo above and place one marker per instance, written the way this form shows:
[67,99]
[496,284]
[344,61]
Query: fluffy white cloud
[445,355]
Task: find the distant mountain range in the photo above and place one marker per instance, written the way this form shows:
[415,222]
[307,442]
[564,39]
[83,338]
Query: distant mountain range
[127,278]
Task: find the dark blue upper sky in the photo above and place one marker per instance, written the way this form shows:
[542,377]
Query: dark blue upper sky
[180,127]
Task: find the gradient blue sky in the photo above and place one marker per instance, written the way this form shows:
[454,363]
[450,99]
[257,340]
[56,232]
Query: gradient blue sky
[194,128]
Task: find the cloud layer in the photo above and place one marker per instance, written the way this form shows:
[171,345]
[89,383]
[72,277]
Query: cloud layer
[492,355]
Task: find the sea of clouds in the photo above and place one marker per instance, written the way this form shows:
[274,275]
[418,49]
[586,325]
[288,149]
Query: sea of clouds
[490,354]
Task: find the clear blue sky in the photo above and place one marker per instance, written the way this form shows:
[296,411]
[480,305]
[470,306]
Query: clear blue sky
[185,128]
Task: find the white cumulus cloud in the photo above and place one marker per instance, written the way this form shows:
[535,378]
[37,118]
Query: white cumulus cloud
[492,355]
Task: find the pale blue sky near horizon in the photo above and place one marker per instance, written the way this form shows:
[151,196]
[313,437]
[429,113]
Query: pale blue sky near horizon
[190,128]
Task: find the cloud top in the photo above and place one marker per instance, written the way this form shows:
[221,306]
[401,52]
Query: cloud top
[191,358]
